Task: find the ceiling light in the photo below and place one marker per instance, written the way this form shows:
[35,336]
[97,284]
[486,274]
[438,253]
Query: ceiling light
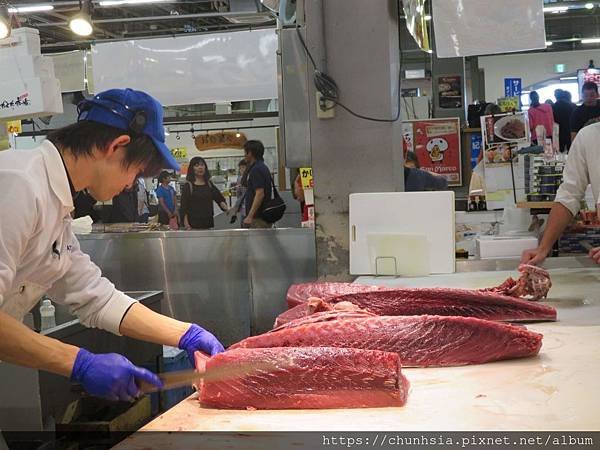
[591,41]
[589,6]
[567,78]
[427,17]
[128,2]
[81,23]
[549,43]
[29,9]
[4,22]
[556,9]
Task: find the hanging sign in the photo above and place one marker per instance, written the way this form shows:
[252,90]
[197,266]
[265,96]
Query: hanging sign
[221,139]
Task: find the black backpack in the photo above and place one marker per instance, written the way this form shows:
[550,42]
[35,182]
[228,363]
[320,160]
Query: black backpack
[272,208]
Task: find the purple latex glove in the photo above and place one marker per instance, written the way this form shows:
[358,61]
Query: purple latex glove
[110,375]
[197,338]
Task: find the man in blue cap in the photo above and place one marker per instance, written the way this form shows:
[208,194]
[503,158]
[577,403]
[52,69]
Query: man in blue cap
[118,136]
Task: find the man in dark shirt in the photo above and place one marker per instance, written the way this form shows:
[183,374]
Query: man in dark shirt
[258,185]
[416,179]
[589,110]
[562,109]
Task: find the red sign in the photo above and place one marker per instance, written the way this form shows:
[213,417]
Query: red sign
[437,145]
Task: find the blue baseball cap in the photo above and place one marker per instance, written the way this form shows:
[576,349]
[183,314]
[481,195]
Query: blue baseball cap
[128,109]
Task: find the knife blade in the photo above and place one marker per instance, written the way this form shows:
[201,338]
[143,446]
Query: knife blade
[586,244]
[171,380]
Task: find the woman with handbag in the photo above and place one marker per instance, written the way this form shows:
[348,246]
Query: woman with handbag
[198,195]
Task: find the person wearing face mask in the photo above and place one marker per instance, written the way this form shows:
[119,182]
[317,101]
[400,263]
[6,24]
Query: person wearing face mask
[118,136]
[198,195]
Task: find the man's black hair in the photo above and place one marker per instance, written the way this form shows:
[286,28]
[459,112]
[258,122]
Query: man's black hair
[255,148]
[590,86]
[82,137]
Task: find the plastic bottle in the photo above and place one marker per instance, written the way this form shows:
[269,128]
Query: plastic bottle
[47,311]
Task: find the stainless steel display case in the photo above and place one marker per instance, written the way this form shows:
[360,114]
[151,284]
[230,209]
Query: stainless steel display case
[232,282]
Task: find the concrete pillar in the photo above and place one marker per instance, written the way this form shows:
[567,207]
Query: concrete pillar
[349,155]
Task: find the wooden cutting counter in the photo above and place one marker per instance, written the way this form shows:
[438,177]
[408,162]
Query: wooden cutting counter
[558,390]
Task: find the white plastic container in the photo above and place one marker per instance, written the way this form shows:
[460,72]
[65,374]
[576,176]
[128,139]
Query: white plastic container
[19,66]
[22,41]
[504,247]
[47,313]
[35,96]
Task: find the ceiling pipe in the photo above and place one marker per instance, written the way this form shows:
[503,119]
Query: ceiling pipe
[169,17]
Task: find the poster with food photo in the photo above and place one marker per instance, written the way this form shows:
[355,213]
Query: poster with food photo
[450,92]
[502,128]
[436,143]
[500,153]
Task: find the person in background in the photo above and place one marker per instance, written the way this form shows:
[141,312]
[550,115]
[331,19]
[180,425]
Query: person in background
[258,183]
[588,111]
[416,179]
[167,199]
[491,109]
[582,168]
[143,203]
[240,192]
[198,195]
[539,114]
[562,109]
[124,206]
[103,153]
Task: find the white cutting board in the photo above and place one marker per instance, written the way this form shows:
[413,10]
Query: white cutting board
[412,213]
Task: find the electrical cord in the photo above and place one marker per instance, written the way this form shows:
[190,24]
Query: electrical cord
[328,88]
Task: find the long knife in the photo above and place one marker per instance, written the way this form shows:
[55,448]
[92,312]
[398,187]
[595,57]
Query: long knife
[172,380]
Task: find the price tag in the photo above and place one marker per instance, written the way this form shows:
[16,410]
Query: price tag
[306,176]
[14,127]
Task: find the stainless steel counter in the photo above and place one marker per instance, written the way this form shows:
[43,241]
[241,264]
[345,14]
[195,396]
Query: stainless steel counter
[232,282]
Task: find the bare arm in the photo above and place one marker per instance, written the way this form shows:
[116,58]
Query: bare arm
[24,347]
[258,199]
[144,324]
[573,134]
[559,218]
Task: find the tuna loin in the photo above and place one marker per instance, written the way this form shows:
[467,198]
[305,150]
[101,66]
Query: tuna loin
[448,302]
[305,378]
[300,293]
[312,306]
[421,341]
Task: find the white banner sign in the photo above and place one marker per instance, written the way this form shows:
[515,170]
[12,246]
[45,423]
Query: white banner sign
[187,70]
[482,27]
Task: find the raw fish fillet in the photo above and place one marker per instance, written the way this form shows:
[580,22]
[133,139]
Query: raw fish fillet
[421,341]
[305,378]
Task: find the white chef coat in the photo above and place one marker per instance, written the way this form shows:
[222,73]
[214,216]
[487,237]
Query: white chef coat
[38,251]
[582,168]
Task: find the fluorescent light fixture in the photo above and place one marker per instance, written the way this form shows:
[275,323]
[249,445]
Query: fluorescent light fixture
[567,78]
[549,43]
[29,9]
[427,17]
[556,9]
[591,41]
[4,22]
[128,2]
[589,6]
